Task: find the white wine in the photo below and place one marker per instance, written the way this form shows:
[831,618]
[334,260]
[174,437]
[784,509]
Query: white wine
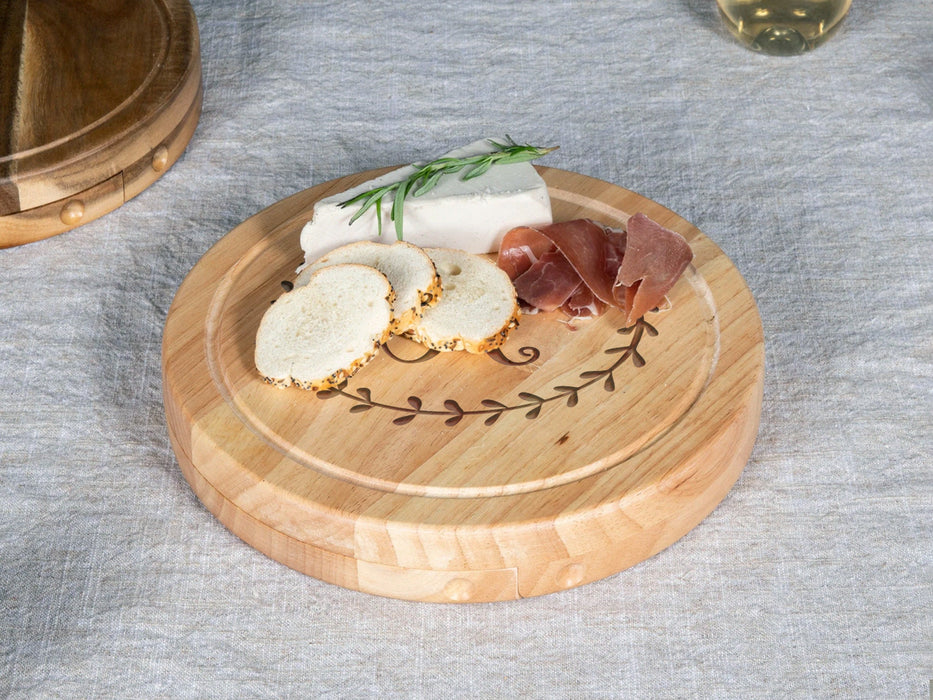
[783,27]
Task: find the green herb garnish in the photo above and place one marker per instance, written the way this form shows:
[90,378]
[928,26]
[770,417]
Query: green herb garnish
[426,177]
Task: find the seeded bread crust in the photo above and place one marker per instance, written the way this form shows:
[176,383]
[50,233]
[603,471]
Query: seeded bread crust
[337,377]
[456,344]
[376,255]
[459,342]
[412,315]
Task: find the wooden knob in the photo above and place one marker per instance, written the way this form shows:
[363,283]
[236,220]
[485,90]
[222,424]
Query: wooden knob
[72,213]
[160,159]
[571,575]
[459,590]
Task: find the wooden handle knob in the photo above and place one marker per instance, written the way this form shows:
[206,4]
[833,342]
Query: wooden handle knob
[459,590]
[72,212]
[160,159]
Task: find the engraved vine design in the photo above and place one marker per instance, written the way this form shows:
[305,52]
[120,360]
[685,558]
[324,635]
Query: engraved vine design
[530,403]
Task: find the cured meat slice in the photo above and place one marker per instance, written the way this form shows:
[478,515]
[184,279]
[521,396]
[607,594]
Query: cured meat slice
[583,304]
[586,246]
[583,242]
[550,281]
[520,249]
[654,260]
[582,267]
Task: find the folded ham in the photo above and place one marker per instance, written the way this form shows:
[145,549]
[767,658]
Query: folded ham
[583,267]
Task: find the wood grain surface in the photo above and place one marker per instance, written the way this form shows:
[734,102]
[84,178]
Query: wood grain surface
[573,453]
[97,100]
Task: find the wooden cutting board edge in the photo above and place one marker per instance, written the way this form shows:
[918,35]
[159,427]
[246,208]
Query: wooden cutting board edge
[85,183]
[704,484]
[521,580]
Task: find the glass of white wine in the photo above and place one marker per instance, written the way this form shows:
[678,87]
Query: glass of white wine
[783,27]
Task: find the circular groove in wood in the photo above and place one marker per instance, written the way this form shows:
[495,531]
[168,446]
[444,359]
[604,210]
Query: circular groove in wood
[154,61]
[128,76]
[265,419]
[393,528]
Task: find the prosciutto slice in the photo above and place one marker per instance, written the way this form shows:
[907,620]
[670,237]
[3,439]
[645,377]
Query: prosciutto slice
[583,304]
[550,281]
[582,267]
[654,260]
[520,249]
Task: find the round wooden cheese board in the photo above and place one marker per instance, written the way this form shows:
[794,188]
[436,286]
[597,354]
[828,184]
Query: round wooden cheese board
[97,100]
[571,454]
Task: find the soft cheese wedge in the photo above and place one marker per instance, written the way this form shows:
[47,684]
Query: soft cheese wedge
[320,334]
[471,215]
[409,269]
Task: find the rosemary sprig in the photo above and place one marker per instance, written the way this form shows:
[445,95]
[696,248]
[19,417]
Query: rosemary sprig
[427,176]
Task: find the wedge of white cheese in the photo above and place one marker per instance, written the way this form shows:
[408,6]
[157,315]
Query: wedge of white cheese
[470,215]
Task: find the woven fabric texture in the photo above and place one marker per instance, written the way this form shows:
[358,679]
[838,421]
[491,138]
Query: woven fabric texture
[814,174]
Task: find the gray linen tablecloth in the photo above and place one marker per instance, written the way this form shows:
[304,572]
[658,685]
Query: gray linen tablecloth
[814,174]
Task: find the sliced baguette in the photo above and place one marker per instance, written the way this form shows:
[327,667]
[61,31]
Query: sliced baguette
[409,269]
[477,310]
[323,332]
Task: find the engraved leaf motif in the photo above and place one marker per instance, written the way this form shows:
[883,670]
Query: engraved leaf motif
[571,392]
[529,353]
[454,408]
[493,409]
[533,413]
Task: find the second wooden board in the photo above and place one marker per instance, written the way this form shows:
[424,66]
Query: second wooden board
[98,99]
[571,454]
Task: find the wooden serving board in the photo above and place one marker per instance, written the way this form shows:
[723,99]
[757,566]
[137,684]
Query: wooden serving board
[568,456]
[97,100]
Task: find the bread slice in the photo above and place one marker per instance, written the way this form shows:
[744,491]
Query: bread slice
[320,334]
[477,310]
[409,269]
